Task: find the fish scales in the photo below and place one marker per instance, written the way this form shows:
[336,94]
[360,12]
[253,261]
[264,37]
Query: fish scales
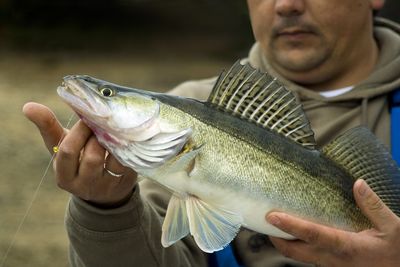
[255,166]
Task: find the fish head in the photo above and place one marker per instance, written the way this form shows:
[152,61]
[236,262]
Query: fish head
[116,114]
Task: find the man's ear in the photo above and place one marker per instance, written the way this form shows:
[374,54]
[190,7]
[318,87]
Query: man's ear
[376,4]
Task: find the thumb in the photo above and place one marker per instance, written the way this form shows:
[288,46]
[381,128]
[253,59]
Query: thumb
[47,123]
[373,207]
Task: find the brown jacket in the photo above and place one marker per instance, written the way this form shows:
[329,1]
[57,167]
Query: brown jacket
[130,235]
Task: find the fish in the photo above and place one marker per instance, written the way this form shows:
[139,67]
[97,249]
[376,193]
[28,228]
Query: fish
[228,161]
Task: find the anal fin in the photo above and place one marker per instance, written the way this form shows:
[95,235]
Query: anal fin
[212,228]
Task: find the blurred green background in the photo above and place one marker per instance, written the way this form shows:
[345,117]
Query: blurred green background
[150,44]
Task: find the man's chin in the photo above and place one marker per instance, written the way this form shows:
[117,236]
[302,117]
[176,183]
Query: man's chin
[297,61]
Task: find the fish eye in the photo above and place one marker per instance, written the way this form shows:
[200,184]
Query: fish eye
[106,91]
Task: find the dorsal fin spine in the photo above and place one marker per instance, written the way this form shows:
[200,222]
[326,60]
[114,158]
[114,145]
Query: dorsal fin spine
[289,123]
[226,75]
[302,136]
[278,110]
[257,96]
[271,107]
[225,93]
[246,94]
[260,98]
[295,129]
[285,116]
[263,103]
[238,89]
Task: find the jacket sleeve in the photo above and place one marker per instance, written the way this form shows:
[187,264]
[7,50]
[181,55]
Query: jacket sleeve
[127,236]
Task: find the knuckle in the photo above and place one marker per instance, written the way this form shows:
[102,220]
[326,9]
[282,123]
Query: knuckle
[375,204]
[312,236]
[47,123]
[84,190]
[61,183]
[395,227]
[345,250]
[93,160]
[286,251]
[66,152]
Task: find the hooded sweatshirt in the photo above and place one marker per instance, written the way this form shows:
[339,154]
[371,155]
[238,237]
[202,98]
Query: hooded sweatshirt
[130,235]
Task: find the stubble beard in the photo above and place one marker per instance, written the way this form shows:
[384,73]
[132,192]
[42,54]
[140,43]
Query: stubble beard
[298,57]
[302,53]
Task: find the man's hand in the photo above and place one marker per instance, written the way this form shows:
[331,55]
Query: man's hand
[325,246]
[79,163]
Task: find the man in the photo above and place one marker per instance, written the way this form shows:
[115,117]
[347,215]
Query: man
[348,67]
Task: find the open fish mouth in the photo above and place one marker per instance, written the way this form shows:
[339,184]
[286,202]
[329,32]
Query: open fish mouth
[82,96]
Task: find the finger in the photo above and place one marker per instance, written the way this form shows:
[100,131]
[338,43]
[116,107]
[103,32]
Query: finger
[312,233]
[113,165]
[129,176]
[92,160]
[45,120]
[297,250]
[373,207]
[67,159]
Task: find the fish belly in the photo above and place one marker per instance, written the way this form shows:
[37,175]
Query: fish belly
[251,210]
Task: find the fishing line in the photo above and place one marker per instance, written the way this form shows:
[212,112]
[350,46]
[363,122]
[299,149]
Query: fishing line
[32,201]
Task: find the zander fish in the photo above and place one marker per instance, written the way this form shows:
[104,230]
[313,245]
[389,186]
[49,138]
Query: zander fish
[228,161]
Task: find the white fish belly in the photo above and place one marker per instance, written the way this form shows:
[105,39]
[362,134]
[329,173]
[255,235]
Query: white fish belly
[252,211]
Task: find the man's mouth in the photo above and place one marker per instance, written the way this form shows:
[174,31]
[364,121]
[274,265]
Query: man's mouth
[294,34]
[293,31]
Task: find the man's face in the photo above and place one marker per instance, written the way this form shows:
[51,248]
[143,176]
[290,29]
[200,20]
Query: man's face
[302,37]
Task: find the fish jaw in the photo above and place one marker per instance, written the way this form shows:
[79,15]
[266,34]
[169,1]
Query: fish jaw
[111,118]
[82,97]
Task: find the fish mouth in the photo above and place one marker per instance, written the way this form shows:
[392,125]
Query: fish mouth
[82,96]
[81,93]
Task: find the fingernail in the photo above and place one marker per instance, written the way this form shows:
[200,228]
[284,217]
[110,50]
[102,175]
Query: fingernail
[274,220]
[362,189]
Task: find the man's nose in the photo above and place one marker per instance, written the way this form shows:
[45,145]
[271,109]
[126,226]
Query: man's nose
[288,8]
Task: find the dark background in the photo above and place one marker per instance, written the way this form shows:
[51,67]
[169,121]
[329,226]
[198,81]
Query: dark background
[209,27]
[204,26]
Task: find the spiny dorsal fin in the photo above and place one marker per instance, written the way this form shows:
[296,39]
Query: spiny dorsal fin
[363,156]
[262,99]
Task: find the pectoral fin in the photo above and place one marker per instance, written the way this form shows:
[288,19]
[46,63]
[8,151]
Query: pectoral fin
[184,160]
[212,228]
[176,224]
[154,152]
